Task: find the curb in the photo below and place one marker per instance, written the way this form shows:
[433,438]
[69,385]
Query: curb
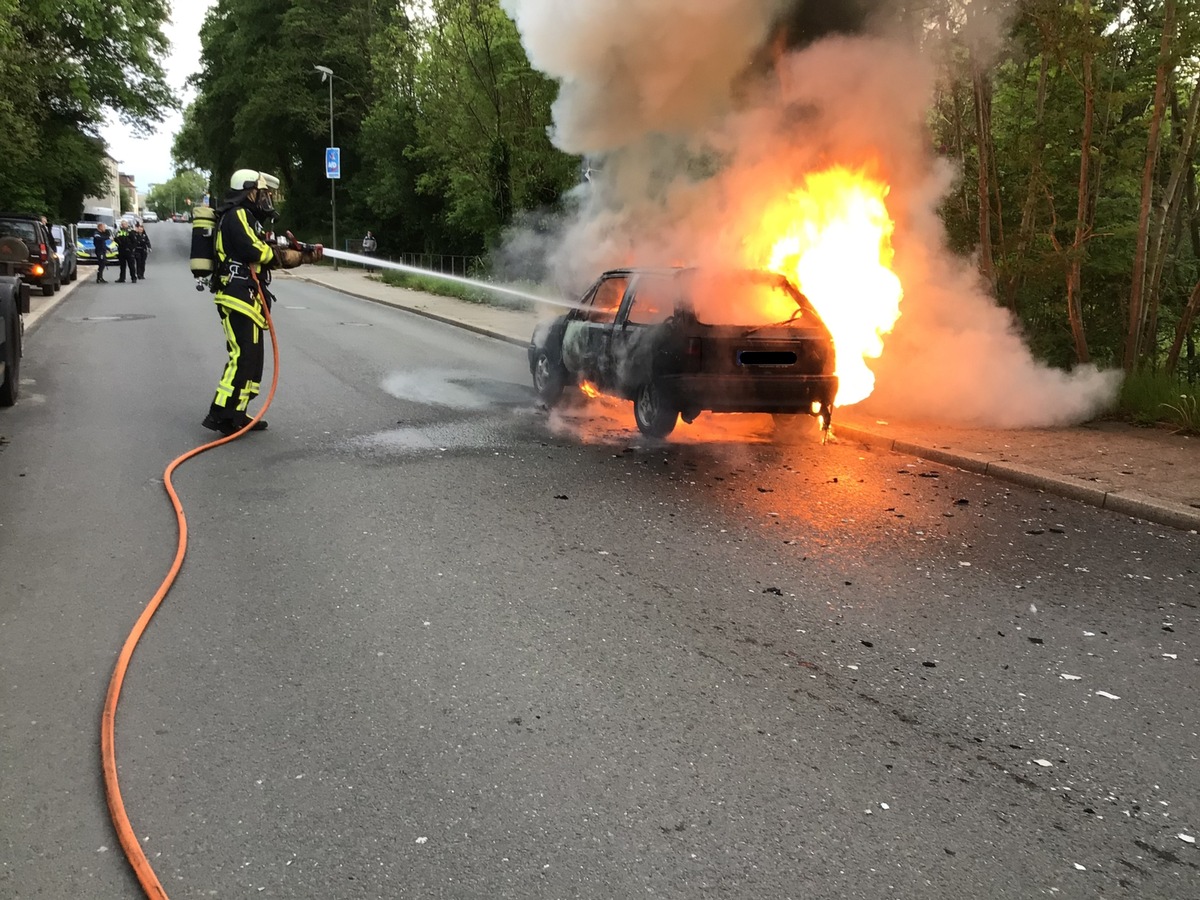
[1129,503]
[34,317]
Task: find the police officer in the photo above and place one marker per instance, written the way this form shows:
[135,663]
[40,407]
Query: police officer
[141,249]
[245,255]
[124,241]
[100,248]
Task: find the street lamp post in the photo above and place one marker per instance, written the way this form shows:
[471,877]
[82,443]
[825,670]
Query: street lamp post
[327,75]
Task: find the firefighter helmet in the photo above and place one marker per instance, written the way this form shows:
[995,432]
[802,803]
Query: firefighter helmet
[249,179]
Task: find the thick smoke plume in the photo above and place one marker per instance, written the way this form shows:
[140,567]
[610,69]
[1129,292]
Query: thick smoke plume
[693,116]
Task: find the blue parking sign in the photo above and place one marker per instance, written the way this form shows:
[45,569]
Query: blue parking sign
[333,162]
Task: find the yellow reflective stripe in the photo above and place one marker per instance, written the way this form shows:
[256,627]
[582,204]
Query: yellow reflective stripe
[263,248]
[225,387]
[248,393]
[239,305]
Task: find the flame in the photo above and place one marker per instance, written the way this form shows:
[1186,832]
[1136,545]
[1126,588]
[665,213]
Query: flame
[832,237]
[589,389]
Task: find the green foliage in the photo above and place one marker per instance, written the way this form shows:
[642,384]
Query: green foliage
[484,125]
[1186,413]
[173,195]
[261,105]
[1148,398]
[444,287]
[61,73]
[1036,128]
[440,119]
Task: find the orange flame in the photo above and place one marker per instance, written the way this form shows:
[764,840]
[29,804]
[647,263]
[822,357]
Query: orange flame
[832,237]
[589,389]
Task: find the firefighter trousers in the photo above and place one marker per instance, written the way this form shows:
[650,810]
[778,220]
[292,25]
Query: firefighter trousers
[240,380]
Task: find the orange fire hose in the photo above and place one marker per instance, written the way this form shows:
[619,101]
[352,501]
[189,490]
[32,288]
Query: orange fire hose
[112,789]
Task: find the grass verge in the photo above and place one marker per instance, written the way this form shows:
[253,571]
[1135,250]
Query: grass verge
[431,284]
[1154,398]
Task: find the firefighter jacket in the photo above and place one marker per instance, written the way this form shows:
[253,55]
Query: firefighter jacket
[243,260]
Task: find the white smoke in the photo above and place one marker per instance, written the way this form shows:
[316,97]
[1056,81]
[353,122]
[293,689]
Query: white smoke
[691,149]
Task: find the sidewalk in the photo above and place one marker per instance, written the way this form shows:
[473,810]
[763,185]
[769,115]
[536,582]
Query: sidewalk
[1146,473]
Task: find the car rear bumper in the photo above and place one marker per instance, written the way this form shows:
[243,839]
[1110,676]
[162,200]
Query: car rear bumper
[738,393]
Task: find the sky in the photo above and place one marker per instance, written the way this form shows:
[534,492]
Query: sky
[148,160]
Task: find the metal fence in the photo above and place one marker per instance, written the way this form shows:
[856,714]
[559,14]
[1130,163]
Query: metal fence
[444,263]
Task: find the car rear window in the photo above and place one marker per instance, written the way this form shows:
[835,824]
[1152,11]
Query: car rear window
[740,299]
[23,230]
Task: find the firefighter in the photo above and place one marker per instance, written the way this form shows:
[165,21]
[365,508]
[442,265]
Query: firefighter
[245,253]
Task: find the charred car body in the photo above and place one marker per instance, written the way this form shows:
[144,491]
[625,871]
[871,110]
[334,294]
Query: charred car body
[659,337]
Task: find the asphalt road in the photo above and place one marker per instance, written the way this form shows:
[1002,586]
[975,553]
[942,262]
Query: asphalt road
[432,642]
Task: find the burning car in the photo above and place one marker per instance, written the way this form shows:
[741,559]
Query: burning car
[681,341]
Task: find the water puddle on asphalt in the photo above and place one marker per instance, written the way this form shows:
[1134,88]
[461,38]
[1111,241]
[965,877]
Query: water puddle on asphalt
[473,413]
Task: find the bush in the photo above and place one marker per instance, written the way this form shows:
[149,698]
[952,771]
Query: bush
[1154,398]
[1186,413]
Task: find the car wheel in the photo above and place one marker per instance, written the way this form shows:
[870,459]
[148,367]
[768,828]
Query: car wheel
[549,378]
[11,323]
[48,290]
[654,411]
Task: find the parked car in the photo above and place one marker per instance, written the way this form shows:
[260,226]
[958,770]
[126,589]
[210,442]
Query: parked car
[68,258]
[40,267]
[14,302]
[678,342]
[151,216]
[85,247]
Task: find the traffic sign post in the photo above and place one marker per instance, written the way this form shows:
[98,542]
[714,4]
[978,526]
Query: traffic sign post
[333,171]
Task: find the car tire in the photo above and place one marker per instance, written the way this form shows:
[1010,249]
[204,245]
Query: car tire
[11,322]
[48,289]
[549,378]
[654,410]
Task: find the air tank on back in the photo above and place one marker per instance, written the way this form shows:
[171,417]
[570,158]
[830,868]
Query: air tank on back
[204,243]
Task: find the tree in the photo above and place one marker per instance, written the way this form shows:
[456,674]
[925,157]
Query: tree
[483,130]
[1140,287]
[171,196]
[60,80]
[1083,206]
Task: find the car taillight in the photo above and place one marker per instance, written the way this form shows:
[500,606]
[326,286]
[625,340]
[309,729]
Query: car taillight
[38,270]
[694,355]
[43,254]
